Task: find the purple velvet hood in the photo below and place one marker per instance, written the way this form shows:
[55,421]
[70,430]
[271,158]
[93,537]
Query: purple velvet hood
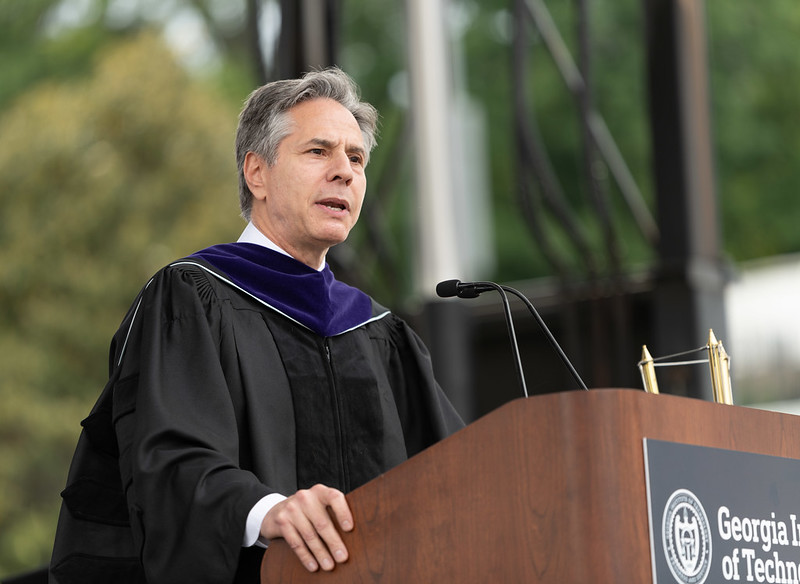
[312,298]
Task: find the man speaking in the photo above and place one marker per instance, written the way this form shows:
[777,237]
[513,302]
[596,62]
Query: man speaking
[248,388]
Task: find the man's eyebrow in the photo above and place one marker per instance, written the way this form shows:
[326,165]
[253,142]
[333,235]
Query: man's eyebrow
[325,143]
[320,142]
[358,150]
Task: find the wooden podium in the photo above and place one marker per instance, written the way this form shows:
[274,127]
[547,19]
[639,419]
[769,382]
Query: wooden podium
[545,489]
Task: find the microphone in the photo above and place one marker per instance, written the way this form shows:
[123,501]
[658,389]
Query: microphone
[450,288]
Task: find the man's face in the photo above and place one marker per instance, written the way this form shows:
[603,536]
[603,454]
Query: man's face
[311,197]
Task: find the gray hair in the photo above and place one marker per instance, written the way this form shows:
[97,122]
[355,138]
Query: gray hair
[265,121]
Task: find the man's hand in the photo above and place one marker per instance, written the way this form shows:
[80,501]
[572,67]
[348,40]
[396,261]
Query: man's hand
[303,521]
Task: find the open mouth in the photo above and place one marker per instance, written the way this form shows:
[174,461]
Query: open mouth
[334,205]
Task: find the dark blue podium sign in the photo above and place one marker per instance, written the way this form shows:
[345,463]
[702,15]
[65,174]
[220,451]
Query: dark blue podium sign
[722,515]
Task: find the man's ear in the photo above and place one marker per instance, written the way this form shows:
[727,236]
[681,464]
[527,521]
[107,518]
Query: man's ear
[253,170]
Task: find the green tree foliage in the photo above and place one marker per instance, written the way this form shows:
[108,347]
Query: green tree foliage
[102,181]
[755,85]
[28,56]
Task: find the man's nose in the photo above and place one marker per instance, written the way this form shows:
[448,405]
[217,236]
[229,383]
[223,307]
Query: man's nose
[340,168]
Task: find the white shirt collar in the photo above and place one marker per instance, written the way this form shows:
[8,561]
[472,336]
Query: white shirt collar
[251,234]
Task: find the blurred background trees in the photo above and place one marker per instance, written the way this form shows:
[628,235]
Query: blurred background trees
[116,156]
[105,176]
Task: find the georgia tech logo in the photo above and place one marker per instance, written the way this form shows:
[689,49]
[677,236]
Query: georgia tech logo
[687,538]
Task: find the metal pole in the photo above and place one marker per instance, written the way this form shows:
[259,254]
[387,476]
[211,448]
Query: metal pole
[446,322]
[690,282]
[431,100]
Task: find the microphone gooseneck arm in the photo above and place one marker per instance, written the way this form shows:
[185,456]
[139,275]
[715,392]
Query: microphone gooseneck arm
[450,288]
[512,335]
[548,334]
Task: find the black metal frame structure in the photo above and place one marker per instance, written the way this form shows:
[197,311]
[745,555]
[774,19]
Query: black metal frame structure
[670,309]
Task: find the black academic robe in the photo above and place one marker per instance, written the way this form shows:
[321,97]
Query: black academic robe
[200,419]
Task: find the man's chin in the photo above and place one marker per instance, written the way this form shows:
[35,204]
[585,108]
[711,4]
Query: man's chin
[332,237]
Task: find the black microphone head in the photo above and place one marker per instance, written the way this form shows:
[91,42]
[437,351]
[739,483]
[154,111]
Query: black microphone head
[447,288]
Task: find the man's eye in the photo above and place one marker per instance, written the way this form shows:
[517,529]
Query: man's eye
[316,151]
[356,160]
